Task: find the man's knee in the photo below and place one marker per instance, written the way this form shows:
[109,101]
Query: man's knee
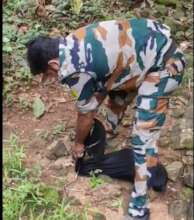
[151,112]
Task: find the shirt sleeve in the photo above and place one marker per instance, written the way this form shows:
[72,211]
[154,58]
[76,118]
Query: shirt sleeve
[83,87]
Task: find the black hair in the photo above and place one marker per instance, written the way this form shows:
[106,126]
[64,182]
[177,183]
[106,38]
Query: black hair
[39,51]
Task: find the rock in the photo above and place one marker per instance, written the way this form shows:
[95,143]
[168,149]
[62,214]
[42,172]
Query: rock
[107,191]
[106,179]
[74,201]
[174,170]
[99,216]
[178,209]
[181,137]
[174,137]
[186,194]
[57,149]
[72,135]
[178,113]
[186,139]
[62,163]
[188,176]
[189,153]
[164,141]
[188,160]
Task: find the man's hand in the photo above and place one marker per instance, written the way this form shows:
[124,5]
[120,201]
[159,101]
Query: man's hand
[77,151]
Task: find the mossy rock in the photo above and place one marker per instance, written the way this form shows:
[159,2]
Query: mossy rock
[99,216]
[186,193]
[106,179]
[188,144]
[74,201]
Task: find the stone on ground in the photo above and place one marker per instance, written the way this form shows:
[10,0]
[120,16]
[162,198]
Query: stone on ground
[174,170]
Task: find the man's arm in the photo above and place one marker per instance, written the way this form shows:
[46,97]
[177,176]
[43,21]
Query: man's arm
[83,127]
[84,124]
[83,87]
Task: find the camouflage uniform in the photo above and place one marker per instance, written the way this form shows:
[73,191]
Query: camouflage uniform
[106,57]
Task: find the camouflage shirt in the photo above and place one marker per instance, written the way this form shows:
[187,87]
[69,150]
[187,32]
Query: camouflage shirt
[126,48]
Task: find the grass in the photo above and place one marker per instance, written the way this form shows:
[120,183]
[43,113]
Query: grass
[58,129]
[25,196]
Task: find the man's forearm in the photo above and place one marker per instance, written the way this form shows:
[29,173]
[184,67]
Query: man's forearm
[84,124]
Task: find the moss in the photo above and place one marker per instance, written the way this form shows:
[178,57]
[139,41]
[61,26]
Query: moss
[186,193]
[188,144]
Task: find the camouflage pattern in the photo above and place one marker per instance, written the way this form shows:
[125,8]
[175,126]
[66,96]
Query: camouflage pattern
[127,50]
[151,108]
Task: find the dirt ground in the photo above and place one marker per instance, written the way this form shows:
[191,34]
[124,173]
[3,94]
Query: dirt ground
[60,173]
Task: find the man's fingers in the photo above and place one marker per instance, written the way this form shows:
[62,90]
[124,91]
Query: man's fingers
[77,155]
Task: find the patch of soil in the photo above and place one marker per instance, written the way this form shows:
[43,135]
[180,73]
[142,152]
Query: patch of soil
[60,108]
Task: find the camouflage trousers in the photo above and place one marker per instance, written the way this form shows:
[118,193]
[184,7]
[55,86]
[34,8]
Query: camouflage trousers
[151,109]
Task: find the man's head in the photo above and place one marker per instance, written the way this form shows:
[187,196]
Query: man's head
[43,56]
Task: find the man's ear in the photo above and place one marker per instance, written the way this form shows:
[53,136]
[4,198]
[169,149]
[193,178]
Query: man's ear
[54,64]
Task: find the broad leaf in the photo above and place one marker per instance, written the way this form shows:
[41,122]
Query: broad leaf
[38,108]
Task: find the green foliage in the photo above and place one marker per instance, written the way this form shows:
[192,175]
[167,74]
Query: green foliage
[24,104]
[38,107]
[9,100]
[76,6]
[95,181]
[186,193]
[172,3]
[26,197]
[13,156]
[117,203]
[58,129]
[15,14]
[66,15]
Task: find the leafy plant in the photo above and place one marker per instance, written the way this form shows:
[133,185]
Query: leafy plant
[76,6]
[58,129]
[95,181]
[38,107]
[117,203]
[24,104]
[9,100]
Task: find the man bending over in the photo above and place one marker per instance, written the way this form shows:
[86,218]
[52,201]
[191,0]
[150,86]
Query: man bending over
[116,59]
